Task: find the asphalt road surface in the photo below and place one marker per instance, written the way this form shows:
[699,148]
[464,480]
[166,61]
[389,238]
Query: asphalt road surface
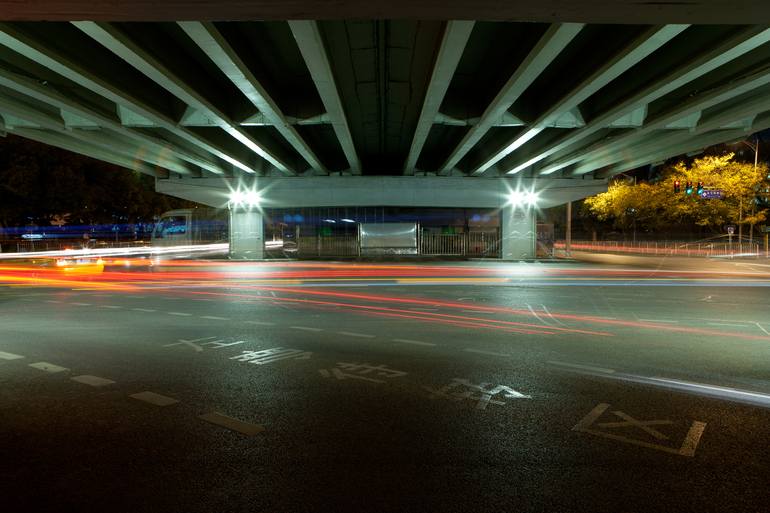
[359,387]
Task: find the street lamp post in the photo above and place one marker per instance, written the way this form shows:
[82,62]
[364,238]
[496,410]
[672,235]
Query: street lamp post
[755,148]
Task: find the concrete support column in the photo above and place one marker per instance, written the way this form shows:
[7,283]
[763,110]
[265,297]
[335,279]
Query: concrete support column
[519,233]
[246,234]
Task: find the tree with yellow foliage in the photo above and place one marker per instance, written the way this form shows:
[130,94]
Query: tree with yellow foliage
[653,204]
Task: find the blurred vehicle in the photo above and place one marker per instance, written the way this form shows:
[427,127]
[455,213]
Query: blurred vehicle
[191,226]
[80,264]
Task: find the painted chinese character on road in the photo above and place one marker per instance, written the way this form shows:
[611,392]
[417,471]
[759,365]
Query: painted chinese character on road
[272,355]
[197,344]
[483,393]
[361,371]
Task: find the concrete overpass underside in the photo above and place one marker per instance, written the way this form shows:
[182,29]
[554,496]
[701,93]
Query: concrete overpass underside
[382,112]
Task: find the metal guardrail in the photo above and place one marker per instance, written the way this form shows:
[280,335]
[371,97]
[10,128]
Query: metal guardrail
[473,244]
[442,244]
[327,246]
[483,244]
[667,248]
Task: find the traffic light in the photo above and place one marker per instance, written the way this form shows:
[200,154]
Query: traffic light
[688,188]
[700,189]
[677,186]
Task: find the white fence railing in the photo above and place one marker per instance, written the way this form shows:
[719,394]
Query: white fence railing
[442,244]
[667,248]
[327,246]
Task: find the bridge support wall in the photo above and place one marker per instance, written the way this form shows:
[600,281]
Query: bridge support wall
[246,235]
[519,233]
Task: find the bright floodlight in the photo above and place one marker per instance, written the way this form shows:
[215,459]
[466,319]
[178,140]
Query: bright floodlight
[249,198]
[253,198]
[523,198]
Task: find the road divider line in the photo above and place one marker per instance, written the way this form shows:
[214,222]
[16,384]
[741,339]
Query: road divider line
[413,342]
[219,419]
[353,334]
[9,356]
[154,399]
[305,328]
[47,367]
[180,314]
[488,353]
[215,318]
[665,321]
[583,367]
[94,381]
[731,324]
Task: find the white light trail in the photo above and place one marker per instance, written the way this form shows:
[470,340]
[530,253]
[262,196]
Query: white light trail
[151,251]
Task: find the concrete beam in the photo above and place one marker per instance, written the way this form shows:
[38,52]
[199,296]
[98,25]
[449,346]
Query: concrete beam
[556,38]
[716,121]
[17,41]
[311,46]
[546,11]
[729,50]
[157,147]
[68,143]
[399,191]
[93,138]
[690,110]
[214,45]
[664,152]
[122,46]
[627,57]
[456,34]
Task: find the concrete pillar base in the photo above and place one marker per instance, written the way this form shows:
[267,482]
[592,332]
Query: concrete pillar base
[246,235]
[519,233]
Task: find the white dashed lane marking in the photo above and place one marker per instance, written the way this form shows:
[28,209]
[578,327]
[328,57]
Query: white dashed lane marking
[215,318]
[81,304]
[413,342]
[143,310]
[261,323]
[352,334]
[180,314]
[481,351]
[305,328]
[94,381]
[9,356]
[240,426]
[114,307]
[47,367]
[51,301]
[153,398]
